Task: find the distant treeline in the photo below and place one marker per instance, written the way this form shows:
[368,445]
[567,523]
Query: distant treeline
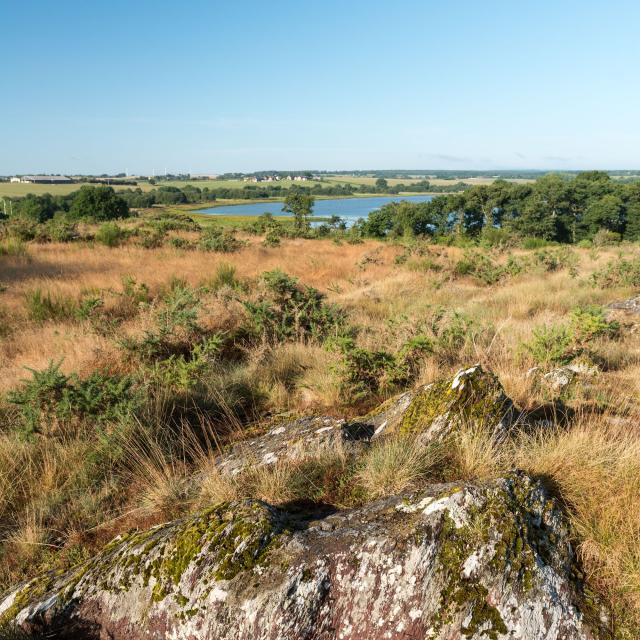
[191,194]
[98,203]
[554,208]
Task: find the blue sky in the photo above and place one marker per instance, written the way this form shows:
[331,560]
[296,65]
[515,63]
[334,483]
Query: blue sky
[220,86]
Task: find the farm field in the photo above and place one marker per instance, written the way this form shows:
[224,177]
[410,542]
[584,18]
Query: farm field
[18,189]
[11,189]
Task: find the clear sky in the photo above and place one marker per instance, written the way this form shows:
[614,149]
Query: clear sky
[240,86]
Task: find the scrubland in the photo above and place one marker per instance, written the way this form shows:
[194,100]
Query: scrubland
[125,369]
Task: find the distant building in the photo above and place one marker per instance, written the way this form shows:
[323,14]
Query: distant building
[43,179]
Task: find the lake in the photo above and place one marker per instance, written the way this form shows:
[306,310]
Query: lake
[349,209]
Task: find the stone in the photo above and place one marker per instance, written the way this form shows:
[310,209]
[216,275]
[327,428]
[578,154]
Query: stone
[477,561]
[632,305]
[432,411]
[473,394]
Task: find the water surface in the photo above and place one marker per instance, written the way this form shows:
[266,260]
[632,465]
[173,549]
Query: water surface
[349,209]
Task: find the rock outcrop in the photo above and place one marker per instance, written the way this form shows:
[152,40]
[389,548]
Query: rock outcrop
[491,561]
[632,305]
[429,412]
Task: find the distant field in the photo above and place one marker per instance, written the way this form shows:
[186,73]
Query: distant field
[358,180]
[18,189]
[236,184]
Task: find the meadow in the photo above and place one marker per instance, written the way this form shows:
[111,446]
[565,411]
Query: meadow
[126,365]
[17,189]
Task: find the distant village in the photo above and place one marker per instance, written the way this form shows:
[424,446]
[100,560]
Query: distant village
[303,177]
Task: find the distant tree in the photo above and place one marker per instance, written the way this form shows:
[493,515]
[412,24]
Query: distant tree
[98,203]
[607,213]
[382,186]
[36,208]
[300,205]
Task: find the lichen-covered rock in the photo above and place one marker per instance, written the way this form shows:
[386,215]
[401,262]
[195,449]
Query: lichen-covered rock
[561,379]
[431,412]
[472,395]
[632,305]
[292,440]
[467,562]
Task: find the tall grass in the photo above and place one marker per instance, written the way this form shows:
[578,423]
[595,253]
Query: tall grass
[594,469]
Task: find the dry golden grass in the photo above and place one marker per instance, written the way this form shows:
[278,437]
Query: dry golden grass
[397,464]
[595,468]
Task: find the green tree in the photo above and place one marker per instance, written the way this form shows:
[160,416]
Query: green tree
[98,203]
[36,208]
[382,186]
[606,212]
[299,204]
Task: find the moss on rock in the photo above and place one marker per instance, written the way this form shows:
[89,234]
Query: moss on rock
[472,395]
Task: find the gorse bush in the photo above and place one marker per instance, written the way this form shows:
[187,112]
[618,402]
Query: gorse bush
[50,397]
[182,371]
[219,240]
[559,344]
[622,272]
[453,334]
[286,310]
[168,221]
[363,373]
[481,267]
[110,234]
[589,322]
[175,330]
[58,229]
[551,345]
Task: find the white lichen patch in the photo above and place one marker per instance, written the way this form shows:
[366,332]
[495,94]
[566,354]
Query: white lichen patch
[459,379]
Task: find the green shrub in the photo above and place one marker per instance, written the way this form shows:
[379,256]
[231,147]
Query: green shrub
[176,327]
[168,221]
[110,234]
[21,228]
[182,372]
[555,259]
[606,238]
[590,322]
[286,310]
[51,396]
[181,243]
[618,273]
[363,373]
[88,307]
[219,240]
[272,238]
[535,243]
[486,270]
[360,371]
[551,344]
[453,333]
[58,229]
